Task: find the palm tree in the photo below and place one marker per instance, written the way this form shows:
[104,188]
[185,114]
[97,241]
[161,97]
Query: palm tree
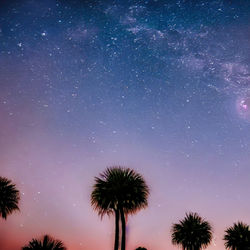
[9,197]
[45,243]
[120,191]
[192,233]
[237,237]
[141,248]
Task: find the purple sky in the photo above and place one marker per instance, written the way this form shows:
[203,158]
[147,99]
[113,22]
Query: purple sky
[162,87]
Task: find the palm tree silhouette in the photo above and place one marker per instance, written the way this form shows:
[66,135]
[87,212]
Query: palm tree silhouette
[45,243]
[141,248]
[192,233]
[120,191]
[237,237]
[9,197]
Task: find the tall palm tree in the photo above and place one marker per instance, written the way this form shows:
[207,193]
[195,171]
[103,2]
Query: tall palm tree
[237,237]
[120,191]
[9,197]
[45,243]
[192,233]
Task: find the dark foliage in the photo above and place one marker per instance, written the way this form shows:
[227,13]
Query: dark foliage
[120,191]
[237,237]
[46,243]
[9,197]
[192,233]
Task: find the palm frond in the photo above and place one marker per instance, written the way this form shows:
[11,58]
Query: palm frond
[45,243]
[9,197]
[119,187]
[237,236]
[192,232]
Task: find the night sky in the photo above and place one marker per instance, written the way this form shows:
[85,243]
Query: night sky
[162,87]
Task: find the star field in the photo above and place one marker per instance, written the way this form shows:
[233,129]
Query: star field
[159,86]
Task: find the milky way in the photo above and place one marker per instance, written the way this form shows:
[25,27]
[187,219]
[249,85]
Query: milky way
[159,86]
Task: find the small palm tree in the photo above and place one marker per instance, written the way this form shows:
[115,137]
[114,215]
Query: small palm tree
[237,237]
[9,197]
[46,243]
[141,248]
[192,233]
[120,191]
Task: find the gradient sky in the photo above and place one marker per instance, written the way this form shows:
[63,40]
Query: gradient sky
[159,86]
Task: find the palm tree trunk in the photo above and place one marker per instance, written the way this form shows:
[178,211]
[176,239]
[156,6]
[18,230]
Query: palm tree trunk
[123,229]
[117,219]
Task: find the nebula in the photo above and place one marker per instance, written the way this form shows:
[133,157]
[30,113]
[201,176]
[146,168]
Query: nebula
[243,107]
